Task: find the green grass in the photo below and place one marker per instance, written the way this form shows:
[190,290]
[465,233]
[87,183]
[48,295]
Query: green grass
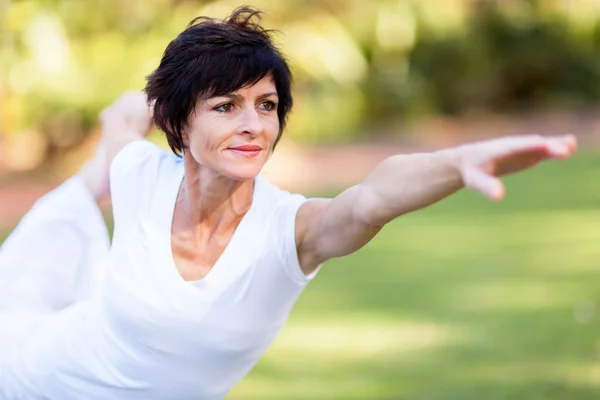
[465,300]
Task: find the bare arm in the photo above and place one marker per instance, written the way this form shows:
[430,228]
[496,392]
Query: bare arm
[128,119]
[404,183]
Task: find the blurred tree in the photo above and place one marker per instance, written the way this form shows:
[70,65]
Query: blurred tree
[358,65]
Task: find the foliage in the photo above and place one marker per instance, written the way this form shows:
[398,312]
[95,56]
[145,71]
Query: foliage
[359,66]
[499,63]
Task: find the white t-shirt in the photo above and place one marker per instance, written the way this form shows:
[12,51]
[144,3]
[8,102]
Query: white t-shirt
[152,335]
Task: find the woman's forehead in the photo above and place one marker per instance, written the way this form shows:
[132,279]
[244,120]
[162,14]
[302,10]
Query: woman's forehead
[263,87]
[265,84]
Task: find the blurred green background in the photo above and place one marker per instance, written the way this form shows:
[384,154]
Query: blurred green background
[464,300]
[360,66]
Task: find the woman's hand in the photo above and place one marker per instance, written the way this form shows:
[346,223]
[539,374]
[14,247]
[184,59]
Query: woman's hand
[130,113]
[128,119]
[481,163]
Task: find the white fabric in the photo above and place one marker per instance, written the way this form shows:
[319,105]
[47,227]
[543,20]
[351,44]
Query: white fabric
[148,334]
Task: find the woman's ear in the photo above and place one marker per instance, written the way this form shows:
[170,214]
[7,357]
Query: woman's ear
[184,138]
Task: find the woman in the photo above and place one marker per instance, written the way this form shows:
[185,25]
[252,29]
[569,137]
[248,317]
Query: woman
[207,258]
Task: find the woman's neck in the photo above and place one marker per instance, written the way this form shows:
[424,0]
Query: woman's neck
[213,200]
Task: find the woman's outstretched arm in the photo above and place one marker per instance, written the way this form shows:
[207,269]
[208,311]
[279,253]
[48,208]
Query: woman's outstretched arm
[328,228]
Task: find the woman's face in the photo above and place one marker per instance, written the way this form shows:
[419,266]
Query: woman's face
[234,134]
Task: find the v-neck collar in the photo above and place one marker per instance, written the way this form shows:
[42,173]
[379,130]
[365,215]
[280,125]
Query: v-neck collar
[219,270]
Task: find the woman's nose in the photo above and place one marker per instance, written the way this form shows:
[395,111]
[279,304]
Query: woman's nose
[251,123]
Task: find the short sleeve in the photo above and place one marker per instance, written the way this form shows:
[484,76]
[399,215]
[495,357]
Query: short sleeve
[132,174]
[285,230]
[128,159]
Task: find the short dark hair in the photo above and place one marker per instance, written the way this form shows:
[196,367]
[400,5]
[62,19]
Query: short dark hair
[213,58]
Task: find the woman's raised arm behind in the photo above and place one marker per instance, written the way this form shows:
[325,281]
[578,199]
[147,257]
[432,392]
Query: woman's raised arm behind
[128,119]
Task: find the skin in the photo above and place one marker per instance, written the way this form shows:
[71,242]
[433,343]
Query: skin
[217,188]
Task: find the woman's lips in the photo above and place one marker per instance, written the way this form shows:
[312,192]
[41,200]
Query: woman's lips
[248,150]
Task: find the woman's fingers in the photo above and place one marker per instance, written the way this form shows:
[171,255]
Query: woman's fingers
[557,149]
[516,162]
[509,155]
[511,145]
[556,146]
[569,140]
[476,179]
[561,146]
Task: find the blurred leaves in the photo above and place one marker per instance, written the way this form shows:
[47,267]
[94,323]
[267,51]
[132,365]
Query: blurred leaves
[358,65]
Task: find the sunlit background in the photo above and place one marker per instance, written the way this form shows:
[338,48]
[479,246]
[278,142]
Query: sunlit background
[465,300]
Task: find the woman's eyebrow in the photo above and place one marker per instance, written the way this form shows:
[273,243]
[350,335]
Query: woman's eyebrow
[263,96]
[232,96]
[237,97]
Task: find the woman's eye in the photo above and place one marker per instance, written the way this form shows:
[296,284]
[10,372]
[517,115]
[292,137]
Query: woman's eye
[269,105]
[224,107]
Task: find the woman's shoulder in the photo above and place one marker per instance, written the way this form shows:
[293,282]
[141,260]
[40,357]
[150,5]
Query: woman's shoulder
[137,153]
[271,197]
[141,159]
[138,169]
[279,209]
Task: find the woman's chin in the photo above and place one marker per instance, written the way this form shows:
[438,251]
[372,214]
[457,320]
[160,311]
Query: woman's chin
[242,174]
